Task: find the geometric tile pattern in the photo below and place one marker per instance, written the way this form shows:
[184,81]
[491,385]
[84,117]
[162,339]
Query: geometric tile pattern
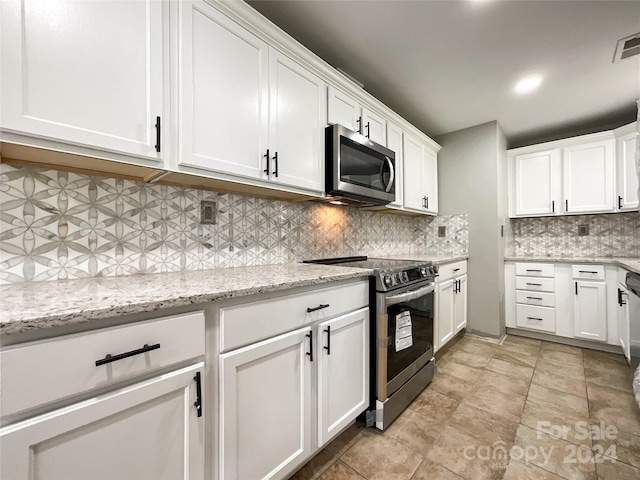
[610,235]
[58,225]
[456,239]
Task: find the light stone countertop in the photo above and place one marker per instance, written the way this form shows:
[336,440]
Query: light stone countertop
[631,264]
[427,257]
[39,305]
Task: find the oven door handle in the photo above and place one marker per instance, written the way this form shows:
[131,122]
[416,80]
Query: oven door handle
[410,295]
[388,186]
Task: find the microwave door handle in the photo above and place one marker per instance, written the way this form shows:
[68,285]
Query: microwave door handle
[391,175]
[411,295]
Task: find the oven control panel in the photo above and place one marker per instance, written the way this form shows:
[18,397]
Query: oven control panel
[424,273]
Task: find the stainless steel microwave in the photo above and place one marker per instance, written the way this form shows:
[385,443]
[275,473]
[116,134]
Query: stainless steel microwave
[358,170]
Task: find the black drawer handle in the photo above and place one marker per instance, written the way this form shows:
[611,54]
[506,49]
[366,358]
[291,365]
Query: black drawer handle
[113,358]
[158,134]
[534,298]
[319,307]
[534,318]
[532,270]
[586,271]
[535,284]
[310,352]
[456,269]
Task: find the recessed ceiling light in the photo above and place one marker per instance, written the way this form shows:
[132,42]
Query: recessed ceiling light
[528,84]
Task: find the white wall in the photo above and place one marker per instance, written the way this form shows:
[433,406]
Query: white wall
[472,179]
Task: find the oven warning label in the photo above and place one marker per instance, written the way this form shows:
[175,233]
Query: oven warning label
[404,335]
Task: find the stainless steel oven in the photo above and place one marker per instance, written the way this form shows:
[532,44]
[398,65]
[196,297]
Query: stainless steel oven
[404,356]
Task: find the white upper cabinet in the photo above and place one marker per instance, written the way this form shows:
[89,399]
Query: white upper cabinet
[536,183]
[394,143]
[571,176]
[420,176]
[245,108]
[627,176]
[347,111]
[297,123]
[588,182]
[85,73]
[223,94]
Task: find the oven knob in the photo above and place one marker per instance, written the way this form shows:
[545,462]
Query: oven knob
[388,281]
[423,271]
[396,279]
[405,276]
[435,269]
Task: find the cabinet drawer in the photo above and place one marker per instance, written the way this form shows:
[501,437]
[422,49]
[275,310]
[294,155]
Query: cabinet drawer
[536,298]
[536,318]
[535,269]
[536,284]
[588,272]
[451,270]
[250,322]
[42,372]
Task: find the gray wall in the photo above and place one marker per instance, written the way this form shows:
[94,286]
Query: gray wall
[472,179]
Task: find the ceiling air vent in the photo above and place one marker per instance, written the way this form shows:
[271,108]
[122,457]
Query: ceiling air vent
[627,47]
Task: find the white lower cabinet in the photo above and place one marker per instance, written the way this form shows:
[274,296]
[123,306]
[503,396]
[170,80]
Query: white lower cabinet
[451,303]
[343,378]
[590,310]
[148,430]
[282,398]
[265,407]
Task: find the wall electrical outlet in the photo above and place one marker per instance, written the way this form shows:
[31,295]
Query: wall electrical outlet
[442,231]
[208,211]
[583,229]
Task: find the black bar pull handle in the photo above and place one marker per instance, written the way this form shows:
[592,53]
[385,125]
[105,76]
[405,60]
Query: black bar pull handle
[158,134]
[535,284]
[328,332]
[586,271]
[456,269]
[310,352]
[427,201]
[319,307]
[275,170]
[114,358]
[534,318]
[368,130]
[533,270]
[534,298]
[566,205]
[553,206]
[619,201]
[266,170]
[198,402]
[621,302]
[576,287]
[359,125]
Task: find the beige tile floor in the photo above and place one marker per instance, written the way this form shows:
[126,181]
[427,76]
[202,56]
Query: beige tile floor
[521,410]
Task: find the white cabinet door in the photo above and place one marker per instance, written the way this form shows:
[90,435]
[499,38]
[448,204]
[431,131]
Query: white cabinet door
[536,183]
[297,122]
[88,73]
[343,372]
[344,110]
[445,311]
[627,198]
[588,177]
[148,430]
[413,196]
[223,93]
[394,143]
[429,176]
[461,304]
[374,126]
[265,407]
[623,321]
[590,310]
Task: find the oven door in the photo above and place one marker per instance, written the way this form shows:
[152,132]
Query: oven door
[406,323]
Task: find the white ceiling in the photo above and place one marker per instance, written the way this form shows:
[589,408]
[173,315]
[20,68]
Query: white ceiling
[448,65]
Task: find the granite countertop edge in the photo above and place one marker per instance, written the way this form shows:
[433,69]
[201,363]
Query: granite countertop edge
[108,302]
[630,263]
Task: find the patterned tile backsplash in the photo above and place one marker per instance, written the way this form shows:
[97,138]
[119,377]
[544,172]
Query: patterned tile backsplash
[58,225]
[610,235]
